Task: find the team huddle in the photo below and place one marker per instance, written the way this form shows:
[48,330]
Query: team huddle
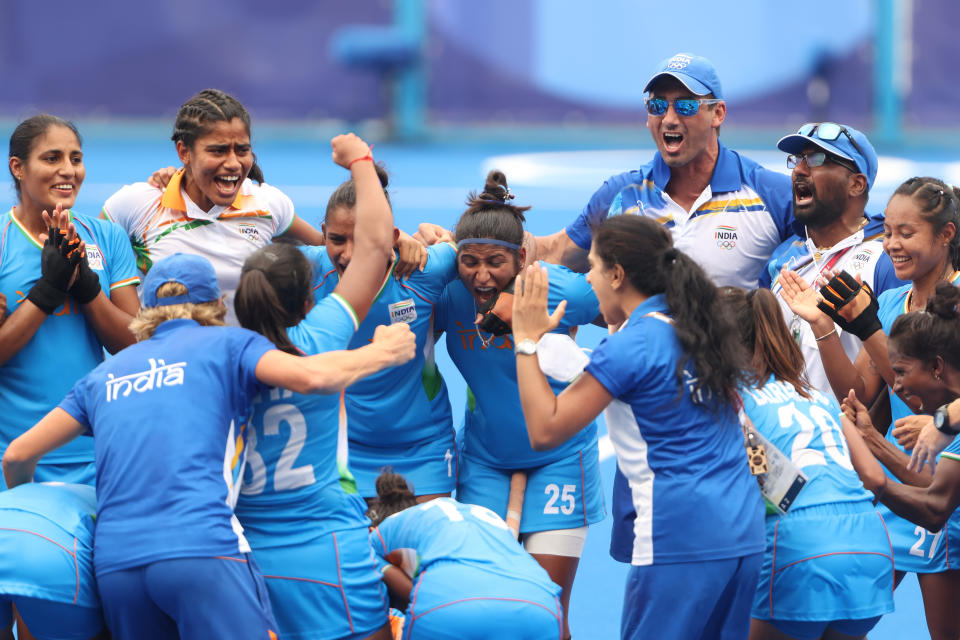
[269,451]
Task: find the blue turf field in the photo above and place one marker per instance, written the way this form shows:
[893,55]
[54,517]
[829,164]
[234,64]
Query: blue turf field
[430,183]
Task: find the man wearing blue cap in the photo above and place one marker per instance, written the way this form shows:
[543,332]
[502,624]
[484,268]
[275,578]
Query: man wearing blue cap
[834,167]
[724,210]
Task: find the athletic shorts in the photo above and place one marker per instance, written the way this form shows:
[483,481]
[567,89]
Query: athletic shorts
[564,494]
[48,620]
[824,563]
[455,601]
[189,598]
[917,550]
[704,600]
[326,588]
[429,467]
[40,560]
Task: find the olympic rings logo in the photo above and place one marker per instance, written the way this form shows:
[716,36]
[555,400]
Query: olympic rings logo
[726,244]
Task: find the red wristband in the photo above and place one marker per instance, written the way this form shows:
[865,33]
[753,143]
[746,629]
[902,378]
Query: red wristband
[366,157]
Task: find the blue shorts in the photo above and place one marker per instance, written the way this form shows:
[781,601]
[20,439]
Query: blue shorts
[222,597]
[326,588]
[915,549]
[952,529]
[430,466]
[826,563]
[715,601]
[52,620]
[40,560]
[564,494]
[456,601]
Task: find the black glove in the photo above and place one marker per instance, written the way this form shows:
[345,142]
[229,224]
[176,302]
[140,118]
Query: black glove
[495,315]
[840,291]
[56,268]
[87,286]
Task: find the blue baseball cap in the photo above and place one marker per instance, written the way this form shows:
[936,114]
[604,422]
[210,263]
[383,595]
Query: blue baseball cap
[836,139]
[192,271]
[695,72]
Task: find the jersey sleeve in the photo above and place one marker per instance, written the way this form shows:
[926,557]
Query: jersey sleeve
[248,347]
[441,268]
[884,277]
[75,405]
[329,326]
[776,191]
[280,206]
[597,209]
[121,261]
[131,206]
[582,304]
[615,365]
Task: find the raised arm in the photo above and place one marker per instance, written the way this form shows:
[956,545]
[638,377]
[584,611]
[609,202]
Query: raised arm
[333,371]
[373,235]
[551,420]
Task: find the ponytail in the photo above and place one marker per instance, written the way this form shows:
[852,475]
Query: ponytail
[491,214]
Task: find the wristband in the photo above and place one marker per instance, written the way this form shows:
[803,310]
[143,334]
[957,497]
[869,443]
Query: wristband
[46,296]
[366,157]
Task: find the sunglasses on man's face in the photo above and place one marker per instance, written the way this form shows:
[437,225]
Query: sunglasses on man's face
[683,106]
[816,159]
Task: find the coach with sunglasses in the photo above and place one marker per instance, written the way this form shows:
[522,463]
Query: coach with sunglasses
[833,170]
[724,210]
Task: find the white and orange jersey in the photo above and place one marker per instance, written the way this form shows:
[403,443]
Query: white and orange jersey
[161,222]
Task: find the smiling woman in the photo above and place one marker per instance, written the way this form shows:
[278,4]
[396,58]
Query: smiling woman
[64,307]
[217,205]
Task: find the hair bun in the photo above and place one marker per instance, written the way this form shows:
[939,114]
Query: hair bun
[944,301]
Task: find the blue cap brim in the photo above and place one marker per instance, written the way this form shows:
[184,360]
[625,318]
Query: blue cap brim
[796,143]
[693,85]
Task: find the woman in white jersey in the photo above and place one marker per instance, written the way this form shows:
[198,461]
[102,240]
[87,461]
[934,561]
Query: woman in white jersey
[217,205]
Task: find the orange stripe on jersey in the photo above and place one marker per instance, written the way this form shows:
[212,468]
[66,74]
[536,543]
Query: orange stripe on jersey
[259,213]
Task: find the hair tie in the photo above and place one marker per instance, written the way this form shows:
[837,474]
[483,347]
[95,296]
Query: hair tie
[502,243]
[492,201]
[670,255]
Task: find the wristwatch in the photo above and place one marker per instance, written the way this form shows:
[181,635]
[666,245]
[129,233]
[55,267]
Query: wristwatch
[526,347]
[941,420]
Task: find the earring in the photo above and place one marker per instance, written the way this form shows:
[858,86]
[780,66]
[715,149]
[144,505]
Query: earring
[936,376]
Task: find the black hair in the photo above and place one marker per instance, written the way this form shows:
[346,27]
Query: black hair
[764,334]
[933,332]
[490,214]
[24,137]
[275,283]
[939,204]
[393,495]
[651,264]
[346,194]
[197,115]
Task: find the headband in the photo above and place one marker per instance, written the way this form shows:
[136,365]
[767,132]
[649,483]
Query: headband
[502,243]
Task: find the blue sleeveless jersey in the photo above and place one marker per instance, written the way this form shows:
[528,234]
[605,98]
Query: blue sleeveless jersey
[291,490]
[38,376]
[406,404]
[691,492]
[494,429]
[915,548]
[808,431]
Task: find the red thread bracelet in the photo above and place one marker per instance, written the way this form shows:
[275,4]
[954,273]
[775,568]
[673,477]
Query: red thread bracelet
[369,157]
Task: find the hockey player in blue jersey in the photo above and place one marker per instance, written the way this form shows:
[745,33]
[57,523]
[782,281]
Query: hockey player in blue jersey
[921,237]
[308,534]
[460,569]
[167,416]
[563,488]
[828,567]
[401,416]
[670,375]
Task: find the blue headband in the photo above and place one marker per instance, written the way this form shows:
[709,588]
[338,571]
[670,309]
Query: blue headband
[502,243]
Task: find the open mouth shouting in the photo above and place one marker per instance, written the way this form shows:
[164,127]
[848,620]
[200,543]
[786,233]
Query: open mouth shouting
[802,194]
[482,294]
[672,141]
[227,185]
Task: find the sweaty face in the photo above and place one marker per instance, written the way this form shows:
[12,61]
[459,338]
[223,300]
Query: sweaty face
[486,269]
[915,383]
[819,193]
[682,139]
[217,164]
[52,172]
[338,237]
[909,240]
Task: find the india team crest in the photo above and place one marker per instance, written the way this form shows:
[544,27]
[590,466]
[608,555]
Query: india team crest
[249,231]
[94,257]
[403,311]
[679,61]
[726,237]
